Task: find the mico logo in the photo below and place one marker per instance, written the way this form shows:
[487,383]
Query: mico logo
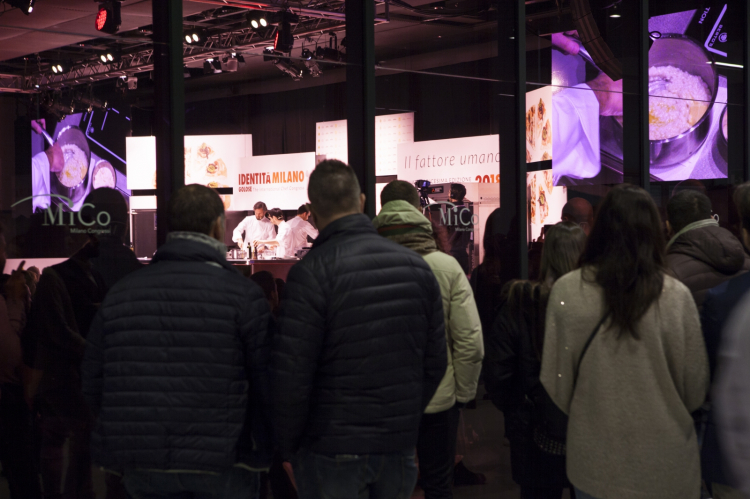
[459,217]
[56,216]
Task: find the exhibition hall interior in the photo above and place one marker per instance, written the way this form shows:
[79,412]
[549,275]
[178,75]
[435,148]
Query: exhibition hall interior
[530,106]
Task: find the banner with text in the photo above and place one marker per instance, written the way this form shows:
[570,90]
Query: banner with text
[279,180]
[468,159]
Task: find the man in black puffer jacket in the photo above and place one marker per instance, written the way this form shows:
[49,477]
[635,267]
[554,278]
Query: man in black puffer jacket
[176,366]
[359,353]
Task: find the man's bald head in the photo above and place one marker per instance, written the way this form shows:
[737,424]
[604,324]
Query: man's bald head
[580,211]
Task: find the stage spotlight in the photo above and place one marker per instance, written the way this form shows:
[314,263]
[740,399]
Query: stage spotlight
[231,63]
[328,55]
[91,102]
[217,65]
[257,19]
[107,57]
[308,59]
[241,59]
[109,17]
[132,82]
[60,67]
[284,41]
[194,36]
[287,67]
[208,68]
[25,6]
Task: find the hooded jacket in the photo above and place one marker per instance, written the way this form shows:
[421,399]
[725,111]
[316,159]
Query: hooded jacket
[403,223]
[704,257]
[175,367]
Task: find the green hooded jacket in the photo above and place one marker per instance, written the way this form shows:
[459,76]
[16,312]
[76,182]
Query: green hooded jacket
[405,224]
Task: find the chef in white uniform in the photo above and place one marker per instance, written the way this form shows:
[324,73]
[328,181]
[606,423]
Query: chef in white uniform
[301,228]
[284,240]
[256,227]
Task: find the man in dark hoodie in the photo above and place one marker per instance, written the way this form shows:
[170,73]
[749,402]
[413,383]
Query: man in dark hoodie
[701,254]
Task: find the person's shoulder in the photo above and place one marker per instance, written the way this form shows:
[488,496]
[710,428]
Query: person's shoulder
[675,291]
[443,263]
[570,281]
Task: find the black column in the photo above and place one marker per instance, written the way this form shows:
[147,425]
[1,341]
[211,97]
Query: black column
[511,220]
[360,94]
[738,118]
[636,153]
[169,108]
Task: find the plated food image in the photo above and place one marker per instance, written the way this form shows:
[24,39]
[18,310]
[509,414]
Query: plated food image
[549,180]
[104,175]
[75,168]
[539,125]
[547,134]
[204,151]
[217,169]
[543,206]
[677,101]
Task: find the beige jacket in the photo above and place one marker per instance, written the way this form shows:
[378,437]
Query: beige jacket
[630,432]
[463,330]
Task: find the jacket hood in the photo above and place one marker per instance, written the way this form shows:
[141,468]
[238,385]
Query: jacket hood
[712,245]
[403,215]
[402,223]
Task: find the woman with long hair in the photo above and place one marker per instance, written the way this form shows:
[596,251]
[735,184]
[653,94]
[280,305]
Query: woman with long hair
[624,358]
[533,424]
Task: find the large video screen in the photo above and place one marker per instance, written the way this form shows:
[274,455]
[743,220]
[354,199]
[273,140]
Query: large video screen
[74,155]
[690,61]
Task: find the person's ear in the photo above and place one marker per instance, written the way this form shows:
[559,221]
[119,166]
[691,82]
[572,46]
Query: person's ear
[669,228]
[362,199]
[746,238]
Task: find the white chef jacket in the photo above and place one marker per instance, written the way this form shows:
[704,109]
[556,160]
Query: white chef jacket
[254,229]
[575,133]
[301,229]
[285,238]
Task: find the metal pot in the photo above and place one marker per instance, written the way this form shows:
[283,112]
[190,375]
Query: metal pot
[683,53]
[74,136]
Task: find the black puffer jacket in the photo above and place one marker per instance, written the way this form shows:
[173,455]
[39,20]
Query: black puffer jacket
[361,345]
[705,257]
[176,366]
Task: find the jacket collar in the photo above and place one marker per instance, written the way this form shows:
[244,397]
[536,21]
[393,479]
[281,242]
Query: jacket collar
[404,224]
[192,247]
[348,225]
[709,222]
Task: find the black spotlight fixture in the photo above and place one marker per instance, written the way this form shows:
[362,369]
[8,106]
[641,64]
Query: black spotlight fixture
[109,18]
[289,68]
[208,67]
[308,59]
[195,36]
[25,6]
[217,65]
[231,63]
[257,19]
[90,102]
[329,54]
[284,41]
[270,54]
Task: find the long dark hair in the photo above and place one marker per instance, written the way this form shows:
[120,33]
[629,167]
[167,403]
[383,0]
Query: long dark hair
[527,300]
[625,255]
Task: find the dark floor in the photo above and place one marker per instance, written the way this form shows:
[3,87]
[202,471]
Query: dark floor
[481,443]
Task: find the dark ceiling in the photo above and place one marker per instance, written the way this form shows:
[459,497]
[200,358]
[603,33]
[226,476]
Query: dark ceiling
[418,34]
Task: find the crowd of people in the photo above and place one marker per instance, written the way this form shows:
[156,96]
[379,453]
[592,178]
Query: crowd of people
[183,378]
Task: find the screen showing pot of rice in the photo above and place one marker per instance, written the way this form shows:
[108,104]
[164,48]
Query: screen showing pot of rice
[75,167]
[678,105]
